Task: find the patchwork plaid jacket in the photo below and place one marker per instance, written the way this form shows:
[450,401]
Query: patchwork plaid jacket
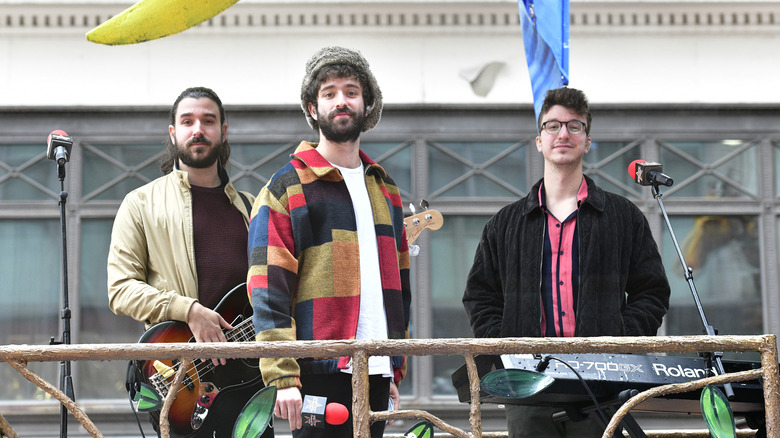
[304,262]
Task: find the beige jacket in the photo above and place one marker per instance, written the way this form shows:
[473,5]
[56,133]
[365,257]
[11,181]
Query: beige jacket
[151,261]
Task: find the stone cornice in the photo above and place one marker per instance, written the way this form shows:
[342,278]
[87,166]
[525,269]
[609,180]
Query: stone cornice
[417,17]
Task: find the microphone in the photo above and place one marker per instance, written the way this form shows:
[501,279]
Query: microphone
[316,411]
[58,146]
[646,174]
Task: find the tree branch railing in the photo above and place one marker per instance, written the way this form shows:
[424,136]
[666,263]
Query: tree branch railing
[360,350]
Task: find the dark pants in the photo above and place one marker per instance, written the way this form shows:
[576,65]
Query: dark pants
[537,422]
[338,388]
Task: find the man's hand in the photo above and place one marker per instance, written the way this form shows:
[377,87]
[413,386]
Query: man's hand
[395,396]
[206,326]
[289,404]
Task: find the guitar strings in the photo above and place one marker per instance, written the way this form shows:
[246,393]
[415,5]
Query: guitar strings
[243,332]
[203,367]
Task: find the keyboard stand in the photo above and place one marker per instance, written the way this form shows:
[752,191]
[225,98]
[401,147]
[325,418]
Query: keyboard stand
[609,408]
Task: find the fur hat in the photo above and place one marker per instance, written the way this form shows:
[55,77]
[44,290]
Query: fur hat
[335,55]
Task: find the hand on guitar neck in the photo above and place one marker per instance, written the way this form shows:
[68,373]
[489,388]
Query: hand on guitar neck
[206,326]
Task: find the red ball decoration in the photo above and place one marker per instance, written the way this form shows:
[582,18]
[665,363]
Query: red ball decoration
[336,414]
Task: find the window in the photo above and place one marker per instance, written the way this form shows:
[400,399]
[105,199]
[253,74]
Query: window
[30,296]
[713,169]
[26,174]
[723,251]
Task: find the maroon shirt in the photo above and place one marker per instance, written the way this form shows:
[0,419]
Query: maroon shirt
[220,236]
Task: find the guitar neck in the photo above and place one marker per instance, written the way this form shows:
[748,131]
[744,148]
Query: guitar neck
[242,332]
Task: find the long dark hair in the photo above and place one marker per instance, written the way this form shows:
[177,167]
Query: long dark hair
[170,153]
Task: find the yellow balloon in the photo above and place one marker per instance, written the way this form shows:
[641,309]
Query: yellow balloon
[152,19]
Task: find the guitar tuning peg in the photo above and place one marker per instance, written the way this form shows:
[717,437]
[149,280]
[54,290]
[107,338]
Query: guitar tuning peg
[411,207]
[424,204]
[414,250]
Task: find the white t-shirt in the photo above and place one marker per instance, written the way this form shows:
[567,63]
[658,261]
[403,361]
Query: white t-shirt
[372,322]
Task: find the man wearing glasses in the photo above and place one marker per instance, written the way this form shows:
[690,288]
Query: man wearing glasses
[567,260]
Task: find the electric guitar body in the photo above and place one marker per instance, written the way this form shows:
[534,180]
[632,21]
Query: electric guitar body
[203,383]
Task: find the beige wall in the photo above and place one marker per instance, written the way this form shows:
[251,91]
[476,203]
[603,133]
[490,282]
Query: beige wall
[621,52]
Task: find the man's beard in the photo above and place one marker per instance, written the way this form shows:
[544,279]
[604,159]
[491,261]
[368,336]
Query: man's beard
[339,131]
[186,157]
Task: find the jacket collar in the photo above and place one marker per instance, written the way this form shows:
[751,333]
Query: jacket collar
[184,177]
[307,153]
[596,198]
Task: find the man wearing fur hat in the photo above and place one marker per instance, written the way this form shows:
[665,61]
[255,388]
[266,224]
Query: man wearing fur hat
[328,257]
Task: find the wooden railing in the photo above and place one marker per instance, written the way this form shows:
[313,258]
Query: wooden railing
[360,350]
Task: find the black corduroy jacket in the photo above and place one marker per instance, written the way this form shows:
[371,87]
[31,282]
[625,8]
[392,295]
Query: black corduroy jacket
[623,289]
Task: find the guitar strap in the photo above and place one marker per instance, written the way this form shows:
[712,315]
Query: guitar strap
[246,202]
[133,378]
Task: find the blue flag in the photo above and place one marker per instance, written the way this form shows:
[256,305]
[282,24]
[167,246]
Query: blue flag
[545,26]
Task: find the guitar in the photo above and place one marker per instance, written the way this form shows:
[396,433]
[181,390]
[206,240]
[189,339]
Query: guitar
[203,381]
[415,224]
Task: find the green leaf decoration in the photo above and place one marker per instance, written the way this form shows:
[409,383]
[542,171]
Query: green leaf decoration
[256,415]
[717,413]
[515,383]
[423,429]
[147,399]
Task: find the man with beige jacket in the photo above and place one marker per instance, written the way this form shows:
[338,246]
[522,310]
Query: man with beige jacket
[178,243]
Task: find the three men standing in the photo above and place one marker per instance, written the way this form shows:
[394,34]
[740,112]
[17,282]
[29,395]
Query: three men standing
[329,260]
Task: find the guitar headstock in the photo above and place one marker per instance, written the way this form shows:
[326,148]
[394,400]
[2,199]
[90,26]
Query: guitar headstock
[415,224]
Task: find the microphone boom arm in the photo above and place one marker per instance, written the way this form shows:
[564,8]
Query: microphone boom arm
[688,275]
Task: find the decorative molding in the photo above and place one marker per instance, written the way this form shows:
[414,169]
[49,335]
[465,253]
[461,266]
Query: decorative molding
[587,17]
[676,18]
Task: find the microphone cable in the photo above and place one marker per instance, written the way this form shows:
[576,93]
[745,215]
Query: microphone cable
[131,382]
[135,413]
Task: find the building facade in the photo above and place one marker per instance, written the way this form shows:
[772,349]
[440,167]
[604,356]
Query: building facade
[687,84]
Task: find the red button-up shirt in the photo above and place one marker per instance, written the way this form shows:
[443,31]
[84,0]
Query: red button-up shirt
[560,270]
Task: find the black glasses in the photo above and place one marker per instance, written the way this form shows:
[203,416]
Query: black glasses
[553,127]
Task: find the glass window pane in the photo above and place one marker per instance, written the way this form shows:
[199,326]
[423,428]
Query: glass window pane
[607,163]
[406,388]
[727,168]
[724,254]
[452,252]
[30,296]
[477,169]
[98,324]
[252,165]
[396,159]
[26,174]
[112,171]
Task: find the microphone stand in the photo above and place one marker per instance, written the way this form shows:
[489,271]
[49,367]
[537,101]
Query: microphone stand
[688,275]
[66,381]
